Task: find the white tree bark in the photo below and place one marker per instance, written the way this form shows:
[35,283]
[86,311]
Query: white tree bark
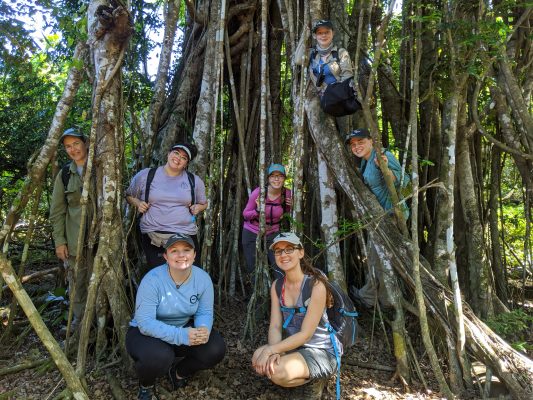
[329,226]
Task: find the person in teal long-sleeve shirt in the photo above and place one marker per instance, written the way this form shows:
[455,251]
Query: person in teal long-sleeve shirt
[361,145]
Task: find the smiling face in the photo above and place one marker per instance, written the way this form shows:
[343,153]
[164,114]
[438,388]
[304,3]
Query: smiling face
[179,256]
[177,160]
[324,36]
[361,147]
[287,255]
[76,149]
[276,180]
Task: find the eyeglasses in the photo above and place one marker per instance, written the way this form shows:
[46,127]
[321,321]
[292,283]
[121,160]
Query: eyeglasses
[277,177]
[74,145]
[179,156]
[287,250]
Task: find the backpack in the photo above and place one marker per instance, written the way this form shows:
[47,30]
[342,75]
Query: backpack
[283,222]
[342,318]
[65,175]
[339,98]
[150,178]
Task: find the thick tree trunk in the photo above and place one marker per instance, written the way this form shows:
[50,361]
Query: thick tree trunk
[109,39]
[328,143]
[480,287]
[498,269]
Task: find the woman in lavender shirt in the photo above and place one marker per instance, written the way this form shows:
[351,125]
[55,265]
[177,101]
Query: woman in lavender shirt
[169,208]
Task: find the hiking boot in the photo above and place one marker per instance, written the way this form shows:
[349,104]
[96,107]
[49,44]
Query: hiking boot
[313,390]
[175,382]
[147,393]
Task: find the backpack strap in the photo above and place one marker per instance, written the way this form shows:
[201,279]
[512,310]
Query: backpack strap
[306,294]
[149,179]
[335,55]
[192,184]
[65,175]
[312,56]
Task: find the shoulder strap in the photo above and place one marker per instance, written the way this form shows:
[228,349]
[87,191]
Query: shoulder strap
[312,56]
[192,184]
[65,175]
[149,179]
[279,284]
[307,289]
[335,55]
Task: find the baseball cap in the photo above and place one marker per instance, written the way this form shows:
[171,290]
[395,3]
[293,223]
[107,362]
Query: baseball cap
[357,133]
[322,23]
[188,148]
[276,168]
[72,132]
[288,237]
[179,237]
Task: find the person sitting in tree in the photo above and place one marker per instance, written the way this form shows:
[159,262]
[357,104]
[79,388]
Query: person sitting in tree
[173,318]
[175,197]
[328,63]
[361,145]
[306,354]
[278,202]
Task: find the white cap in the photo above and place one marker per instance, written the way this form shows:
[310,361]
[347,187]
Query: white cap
[288,237]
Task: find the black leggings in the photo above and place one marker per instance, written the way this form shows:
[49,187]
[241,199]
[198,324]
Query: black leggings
[154,254]
[153,357]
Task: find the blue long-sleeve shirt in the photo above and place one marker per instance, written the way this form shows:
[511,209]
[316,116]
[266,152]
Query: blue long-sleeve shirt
[162,310]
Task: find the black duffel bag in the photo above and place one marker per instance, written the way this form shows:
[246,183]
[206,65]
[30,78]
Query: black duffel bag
[339,99]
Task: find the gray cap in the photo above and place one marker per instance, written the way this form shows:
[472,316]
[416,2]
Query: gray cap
[179,237]
[74,133]
[288,237]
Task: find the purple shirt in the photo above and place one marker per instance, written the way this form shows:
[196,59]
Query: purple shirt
[273,212]
[170,198]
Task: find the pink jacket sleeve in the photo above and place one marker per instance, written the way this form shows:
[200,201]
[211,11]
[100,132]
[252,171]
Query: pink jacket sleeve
[250,211]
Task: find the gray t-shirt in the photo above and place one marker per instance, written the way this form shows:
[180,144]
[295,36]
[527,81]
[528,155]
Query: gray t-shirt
[170,198]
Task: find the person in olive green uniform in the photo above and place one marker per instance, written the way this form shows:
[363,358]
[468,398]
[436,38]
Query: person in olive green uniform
[65,215]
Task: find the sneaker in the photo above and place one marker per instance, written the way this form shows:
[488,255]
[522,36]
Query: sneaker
[176,382]
[147,393]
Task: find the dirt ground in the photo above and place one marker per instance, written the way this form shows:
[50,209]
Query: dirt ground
[366,372]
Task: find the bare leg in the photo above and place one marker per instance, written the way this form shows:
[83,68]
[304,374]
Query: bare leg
[291,371]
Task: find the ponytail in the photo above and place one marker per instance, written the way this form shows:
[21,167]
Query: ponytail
[317,275]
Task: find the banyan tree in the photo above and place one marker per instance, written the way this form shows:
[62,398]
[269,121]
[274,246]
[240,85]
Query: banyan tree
[447,85]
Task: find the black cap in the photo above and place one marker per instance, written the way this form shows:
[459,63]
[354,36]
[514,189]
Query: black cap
[322,23]
[357,133]
[72,132]
[179,237]
[188,148]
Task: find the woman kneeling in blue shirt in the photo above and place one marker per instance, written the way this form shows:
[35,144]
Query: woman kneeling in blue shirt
[174,318]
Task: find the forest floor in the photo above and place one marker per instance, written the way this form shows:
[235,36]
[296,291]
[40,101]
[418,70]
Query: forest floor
[366,373]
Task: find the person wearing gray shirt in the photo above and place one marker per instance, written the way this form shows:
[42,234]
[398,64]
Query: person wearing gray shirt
[169,207]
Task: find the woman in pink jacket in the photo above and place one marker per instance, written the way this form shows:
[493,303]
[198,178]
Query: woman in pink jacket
[277,203]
